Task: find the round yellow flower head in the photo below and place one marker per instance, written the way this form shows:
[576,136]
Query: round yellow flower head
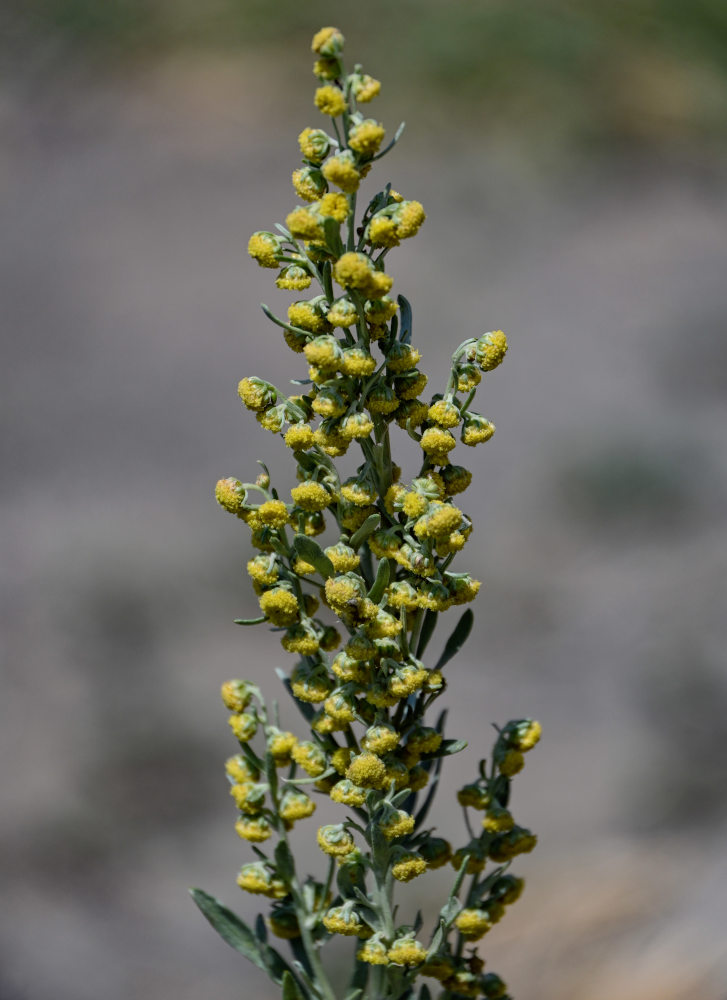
[437,443]
[273,513]
[409,217]
[256,394]
[436,851]
[309,183]
[490,350]
[299,437]
[395,823]
[374,952]
[357,362]
[243,725]
[472,924]
[296,805]
[381,738]
[410,384]
[280,606]
[476,429]
[310,757]
[230,494]
[511,762]
[249,797]
[265,248]
[342,313]
[333,206]
[239,770]
[304,225]
[335,840]
[280,745]
[456,479]
[408,865]
[311,496]
[293,278]
[366,137]
[407,951]
[255,829]
[257,878]
[314,144]
[365,88]
[328,42]
[381,231]
[524,734]
[343,557]
[401,357]
[330,100]
[367,770]
[236,695]
[444,413]
[341,170]
[497,820]
[519,840]
[307,316]
[508,889]
[300,639]
[347,793]
[343,920]
[284,924]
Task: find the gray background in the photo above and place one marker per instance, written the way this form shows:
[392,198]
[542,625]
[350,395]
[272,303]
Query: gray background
[572,164]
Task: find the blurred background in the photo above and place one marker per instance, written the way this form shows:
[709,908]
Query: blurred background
[572,158]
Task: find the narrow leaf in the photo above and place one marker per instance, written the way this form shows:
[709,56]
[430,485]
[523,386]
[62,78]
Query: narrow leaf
[230,928]
[291,990]
[406,320]
[380,583]
[424,993]
[284,861]
[430,620]
[457,639]
[449,747]
[250,621]
[311,552]
[367,528]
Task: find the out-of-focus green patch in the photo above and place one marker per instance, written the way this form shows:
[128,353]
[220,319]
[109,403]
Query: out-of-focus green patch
[649,71]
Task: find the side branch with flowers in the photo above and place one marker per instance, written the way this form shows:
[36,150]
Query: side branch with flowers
[360,614]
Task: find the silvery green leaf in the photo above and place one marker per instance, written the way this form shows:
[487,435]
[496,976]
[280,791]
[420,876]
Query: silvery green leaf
[250,621]
[310,551]
[381,582]
[291,990]
[457,639]
[430,620]
[367,528]
[230,928]
[406,320]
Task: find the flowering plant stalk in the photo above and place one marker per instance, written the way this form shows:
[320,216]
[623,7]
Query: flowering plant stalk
[370,743]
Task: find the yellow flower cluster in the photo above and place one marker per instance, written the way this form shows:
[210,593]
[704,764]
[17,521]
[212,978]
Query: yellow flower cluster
[358,613]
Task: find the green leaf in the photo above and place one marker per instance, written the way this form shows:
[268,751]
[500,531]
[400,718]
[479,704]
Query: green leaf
[284,861]
[406,320]
[449,747]
[424,993]
[367,528]
[230,928]
[332,235]
[457,639]
[380,583]
[358,982]
[430,620]
[291,990]
[311,552]
[250,621]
